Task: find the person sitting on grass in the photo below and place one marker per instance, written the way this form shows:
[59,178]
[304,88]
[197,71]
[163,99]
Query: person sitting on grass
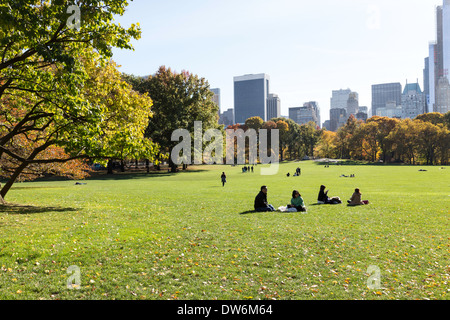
[355,200]
[261,204]
[324,199]
[297,202]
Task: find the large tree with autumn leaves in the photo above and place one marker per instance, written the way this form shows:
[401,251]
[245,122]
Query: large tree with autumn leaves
[61,97]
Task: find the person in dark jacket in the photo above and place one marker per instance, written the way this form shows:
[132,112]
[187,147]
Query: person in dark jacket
[261,204]
[224,179]
[323,197]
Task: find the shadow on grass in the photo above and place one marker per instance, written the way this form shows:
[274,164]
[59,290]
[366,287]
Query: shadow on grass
[139,175]
[16,209]
[248,212]
[102,175]
[33,187]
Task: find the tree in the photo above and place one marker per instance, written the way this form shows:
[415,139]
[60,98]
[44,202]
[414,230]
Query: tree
[269,126]
[309,137]
[346,144]
[384,126]
[432,117]
[47,92]
[255,123]
[284,135]
[233,148]
[403,140]
[443,144]
[115,126]
[75,169]
[447,119]
[179,100]
[326,147]
[430,139]
[367,135]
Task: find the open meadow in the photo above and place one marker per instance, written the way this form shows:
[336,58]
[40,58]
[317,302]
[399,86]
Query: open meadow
[184,236]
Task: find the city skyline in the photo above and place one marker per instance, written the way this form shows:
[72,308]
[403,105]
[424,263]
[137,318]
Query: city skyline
[309,49]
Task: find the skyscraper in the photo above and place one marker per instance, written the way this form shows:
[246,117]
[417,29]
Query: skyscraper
[432,78]
[339,99]
[446,36]
[426,83]
[227,118]
[216,97]
[251,93]
[309,112]
[273,106]
[384,93]
[391,110]
[338,117]
[439,61]
[352,104]
[413,101]
[443,96]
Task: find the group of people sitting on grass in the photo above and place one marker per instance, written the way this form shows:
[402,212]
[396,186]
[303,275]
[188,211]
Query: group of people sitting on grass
[297,203]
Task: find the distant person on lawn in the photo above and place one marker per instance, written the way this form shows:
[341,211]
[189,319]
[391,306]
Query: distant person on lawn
[297,202]
[224,179]
[355,200]
[261,204]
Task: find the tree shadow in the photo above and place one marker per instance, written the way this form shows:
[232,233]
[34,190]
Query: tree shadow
[16,209]
[139,175]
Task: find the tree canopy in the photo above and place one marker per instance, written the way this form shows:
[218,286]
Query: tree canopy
[179,100]
[60,91]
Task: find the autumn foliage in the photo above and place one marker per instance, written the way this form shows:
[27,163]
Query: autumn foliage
[425,139]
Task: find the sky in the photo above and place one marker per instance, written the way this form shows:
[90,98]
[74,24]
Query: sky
[308,48]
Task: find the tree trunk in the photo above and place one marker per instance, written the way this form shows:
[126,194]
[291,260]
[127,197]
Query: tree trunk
[147,165]
[11,180]
[110,167]
[173,166]
[22,167]
[2,201]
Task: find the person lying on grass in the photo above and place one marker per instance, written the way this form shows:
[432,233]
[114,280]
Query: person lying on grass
[297,202]
[261,204]
[355,200]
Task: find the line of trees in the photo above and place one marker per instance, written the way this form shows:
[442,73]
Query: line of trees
[423,140]
[296,141]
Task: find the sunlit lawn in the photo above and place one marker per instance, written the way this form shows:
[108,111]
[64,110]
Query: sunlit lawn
[184,236]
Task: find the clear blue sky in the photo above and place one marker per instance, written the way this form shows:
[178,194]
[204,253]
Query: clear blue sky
[308,48]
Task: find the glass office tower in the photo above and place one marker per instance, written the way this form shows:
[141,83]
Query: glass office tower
[384,93]
[251,93]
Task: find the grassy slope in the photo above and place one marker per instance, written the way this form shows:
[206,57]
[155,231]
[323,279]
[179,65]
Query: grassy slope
[183,237]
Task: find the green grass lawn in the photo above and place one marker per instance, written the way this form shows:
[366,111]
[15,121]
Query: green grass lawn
[183,236]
